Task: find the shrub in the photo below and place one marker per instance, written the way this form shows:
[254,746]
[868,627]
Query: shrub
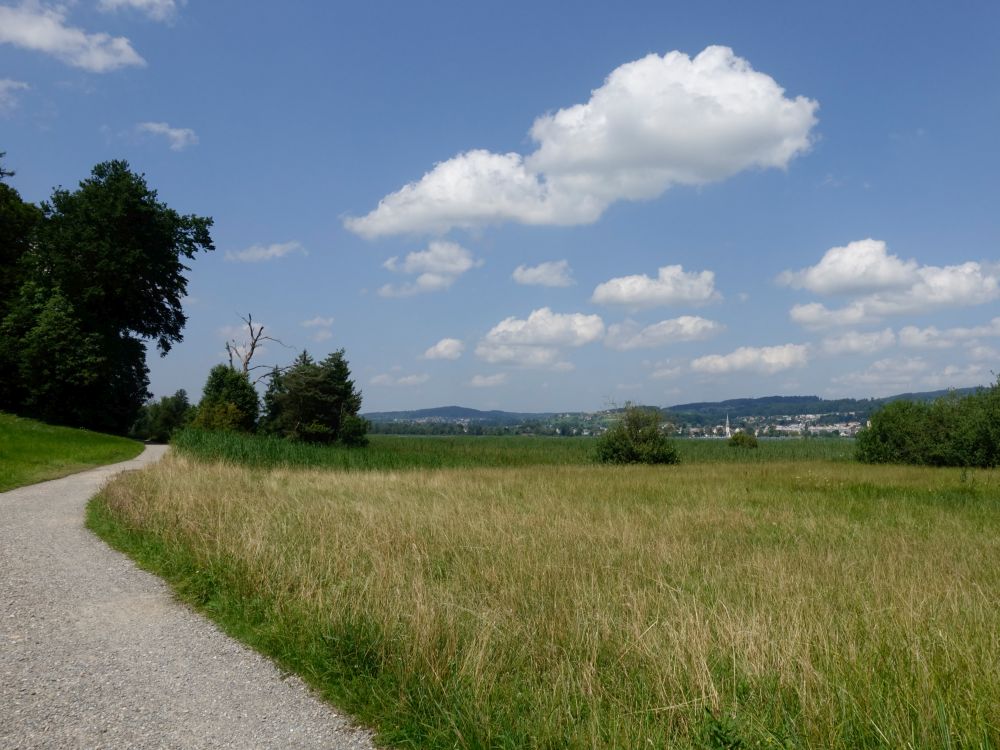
[743,440]
[636,438]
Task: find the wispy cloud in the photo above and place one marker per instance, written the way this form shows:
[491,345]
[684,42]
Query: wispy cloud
[33,27]
[178,138]
[554,273]
[261,253]
[157,10]
[8,94]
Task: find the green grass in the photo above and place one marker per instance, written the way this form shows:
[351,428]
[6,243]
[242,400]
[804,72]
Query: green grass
[32,451]
[798,604]
[394,452]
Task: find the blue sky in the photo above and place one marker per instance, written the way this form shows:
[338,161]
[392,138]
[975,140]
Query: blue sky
[552,206]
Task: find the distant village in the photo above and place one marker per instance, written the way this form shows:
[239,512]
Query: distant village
[582,424]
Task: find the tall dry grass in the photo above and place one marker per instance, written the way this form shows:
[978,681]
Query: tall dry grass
[774,605]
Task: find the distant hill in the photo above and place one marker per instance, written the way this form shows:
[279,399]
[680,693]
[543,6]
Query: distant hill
[456,414]
[700,412]
[713,412]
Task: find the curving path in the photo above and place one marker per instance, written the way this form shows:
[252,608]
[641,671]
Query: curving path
[95,653]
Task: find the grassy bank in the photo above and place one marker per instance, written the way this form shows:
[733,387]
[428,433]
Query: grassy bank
[32,451]
[800,604]
[394,452]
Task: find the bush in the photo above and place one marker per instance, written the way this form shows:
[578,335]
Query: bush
[952,431]
[743,440]
[636,439]
[228,402]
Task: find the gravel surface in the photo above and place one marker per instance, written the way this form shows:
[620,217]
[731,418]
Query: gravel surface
[95,653]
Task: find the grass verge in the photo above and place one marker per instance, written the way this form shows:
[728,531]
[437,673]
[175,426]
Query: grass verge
[800,604]
[32,451]
[394,452]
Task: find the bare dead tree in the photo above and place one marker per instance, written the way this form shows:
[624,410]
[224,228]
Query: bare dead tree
[241,353]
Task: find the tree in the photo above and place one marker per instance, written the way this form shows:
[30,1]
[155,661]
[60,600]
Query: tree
[115,254]
[228,402]
[636,438]
[315,402]
[159,420]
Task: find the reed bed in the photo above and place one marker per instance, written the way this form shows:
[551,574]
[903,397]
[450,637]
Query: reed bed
[395,452]
[810,604]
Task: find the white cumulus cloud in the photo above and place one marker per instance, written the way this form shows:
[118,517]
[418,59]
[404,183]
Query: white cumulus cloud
[178,138]
[655,122]
[436,269]
[553,273]
[881,284]
[33,27]
[672,286]
[8,94]
[157,10]
[766,359]
[260,253]
[445,349]
[488,381]
[538,340]
[856,342]
[628,335]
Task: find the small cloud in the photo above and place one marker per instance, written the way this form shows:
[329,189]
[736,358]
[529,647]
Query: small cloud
[538,340]
[554,273]
[156,10]
[178,138]
[8,95]
[628,335]
[321,328]
[766,360]
[436,269]
[855,342]
[393,381]
[260,253]
[672,286]
[445,349]
[488,381]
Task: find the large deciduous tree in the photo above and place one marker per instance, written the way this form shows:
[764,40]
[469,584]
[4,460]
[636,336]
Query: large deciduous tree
[112,258]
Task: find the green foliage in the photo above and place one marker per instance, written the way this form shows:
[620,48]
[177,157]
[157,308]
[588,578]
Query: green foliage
[743,439]
[636,438]
[34,452]
[86,280]
[315,402]
[159,420]
[952,431]
[228,402]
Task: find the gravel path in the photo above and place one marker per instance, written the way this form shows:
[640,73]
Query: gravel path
[95,653]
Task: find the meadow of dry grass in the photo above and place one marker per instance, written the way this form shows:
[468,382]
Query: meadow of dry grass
[784,604]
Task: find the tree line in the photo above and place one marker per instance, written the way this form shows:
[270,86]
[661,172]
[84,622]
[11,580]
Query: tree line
[91,277]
